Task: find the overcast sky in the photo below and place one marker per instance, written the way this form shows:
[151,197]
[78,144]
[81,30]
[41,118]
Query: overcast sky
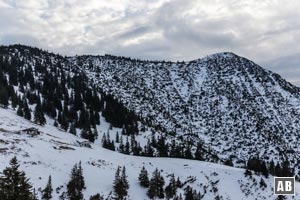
[265,31]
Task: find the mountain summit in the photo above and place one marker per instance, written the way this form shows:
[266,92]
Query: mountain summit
[235,107]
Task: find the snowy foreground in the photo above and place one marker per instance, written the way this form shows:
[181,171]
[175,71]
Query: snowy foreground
[55,152]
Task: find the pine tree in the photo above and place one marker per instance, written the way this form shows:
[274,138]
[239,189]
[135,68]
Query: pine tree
[143,177]
[191,194]
[162,147]
[121,184]
[47,192]
[73,129]
[4,97]
[199,153]
[20,111]
[148,151]
[86,133]
[156,186]
[278,170]
[76,185]
[39,117]
[14,99]
[117,138]
[272,168]
[14,185]
[121,146]
[178,197]
[171,188]
[127,147]
[264,169]
[96,197]
[262,183]
[188,153]
[179,183]
[286,170]
[26,110]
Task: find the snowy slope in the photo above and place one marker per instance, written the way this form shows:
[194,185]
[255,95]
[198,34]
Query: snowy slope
[236,107]
[55,152]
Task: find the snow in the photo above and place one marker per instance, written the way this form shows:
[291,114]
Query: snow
[42,156]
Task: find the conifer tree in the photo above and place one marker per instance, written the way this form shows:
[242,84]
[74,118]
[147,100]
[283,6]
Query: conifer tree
[171,188]
[198,153]
[117,138]
[272,168]
[47,192]
[14,99]
[143,177]
[39,117]
[148,150]
[87,133]
[104,141]
[191,194]
[96,197]
[156,186]
[73,129]
[127,147]
[121,184]
[14,185]
[121,146]
[26,110]
[76,185]
[20,111]
[4,97]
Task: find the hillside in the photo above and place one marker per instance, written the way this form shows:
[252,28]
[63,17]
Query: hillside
[54,153]
[235,107]
[221,109]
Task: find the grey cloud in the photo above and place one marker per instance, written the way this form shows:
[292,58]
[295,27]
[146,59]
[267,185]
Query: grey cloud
[160,29]
[287,66]
[134,32]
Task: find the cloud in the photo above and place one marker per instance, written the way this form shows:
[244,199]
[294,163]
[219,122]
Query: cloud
[158,29]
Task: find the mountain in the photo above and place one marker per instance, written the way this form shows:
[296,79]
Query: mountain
[222,108]
[235,107]
[54,153]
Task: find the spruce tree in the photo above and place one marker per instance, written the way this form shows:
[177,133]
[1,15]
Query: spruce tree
[4,97]
[26,110]
[96,197]
[171,188]
[14,185]
[76,185]
[73,129]
[20,111]
[199,153]
[156,186]
[39,117]
[87,133]
[47,192]
[272,168]
[143,177]
[117,138]
[121,184]
[127,147]
[191,194]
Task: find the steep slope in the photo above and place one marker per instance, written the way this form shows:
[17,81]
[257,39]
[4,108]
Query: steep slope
[54,153]
[236,107]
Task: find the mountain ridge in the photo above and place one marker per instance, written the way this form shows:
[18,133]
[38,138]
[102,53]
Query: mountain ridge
[237,109]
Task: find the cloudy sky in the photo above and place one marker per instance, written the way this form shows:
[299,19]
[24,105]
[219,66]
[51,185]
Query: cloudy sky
[265,31]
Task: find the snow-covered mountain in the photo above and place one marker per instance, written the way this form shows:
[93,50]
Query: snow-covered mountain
[54,152]
[236,107]
[232,107]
